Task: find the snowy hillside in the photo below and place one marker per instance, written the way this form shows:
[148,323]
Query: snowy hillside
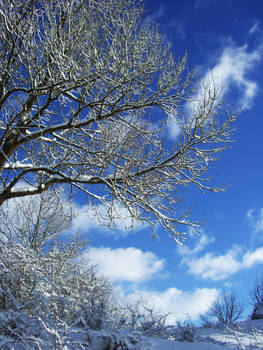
[247,335]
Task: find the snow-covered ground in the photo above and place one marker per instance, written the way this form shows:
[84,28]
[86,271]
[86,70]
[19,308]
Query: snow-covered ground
[161,344]
[247,335]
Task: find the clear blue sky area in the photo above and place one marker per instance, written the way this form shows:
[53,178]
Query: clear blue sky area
[223,38]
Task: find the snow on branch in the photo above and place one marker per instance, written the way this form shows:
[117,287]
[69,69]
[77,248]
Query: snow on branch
[87,92]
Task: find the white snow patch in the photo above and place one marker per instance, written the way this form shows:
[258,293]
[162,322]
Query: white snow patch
[247,335]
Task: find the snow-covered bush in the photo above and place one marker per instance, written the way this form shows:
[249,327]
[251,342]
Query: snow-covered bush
[146,319]
[183,331]
[118,340]
[21,331]
[143,317]
[48,301]
[48,292]
[50,298]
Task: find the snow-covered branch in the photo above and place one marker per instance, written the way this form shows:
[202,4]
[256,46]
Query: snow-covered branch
[87,93]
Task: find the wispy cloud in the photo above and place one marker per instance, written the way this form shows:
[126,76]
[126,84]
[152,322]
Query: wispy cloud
[179,28]
[202,242]
[112,220]
[157,15]
[174,128]
[255,219]
[200,4]
[125,264]
[232,69]
[254,28]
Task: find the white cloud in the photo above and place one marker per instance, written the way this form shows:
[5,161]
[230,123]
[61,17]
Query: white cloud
[125,264]
[115,219]
[218,266]
[255,219]
[232,68]
[173,127]
[202,242]
[215,267]
[180,304]
[252,258]
[134,266]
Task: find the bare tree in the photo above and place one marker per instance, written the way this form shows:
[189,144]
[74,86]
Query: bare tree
[256,294]
[87,95]
[226,310]
[34,220]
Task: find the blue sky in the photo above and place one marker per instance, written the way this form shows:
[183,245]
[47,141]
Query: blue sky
[223,38]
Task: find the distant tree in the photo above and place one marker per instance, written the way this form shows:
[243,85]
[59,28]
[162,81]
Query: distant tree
[88,92]
[256,294]
[35,220]
[226,310]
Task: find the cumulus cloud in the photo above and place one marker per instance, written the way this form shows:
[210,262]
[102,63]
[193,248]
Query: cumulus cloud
[180,304]
[125,264]
[252,258]
[215,267]
[134,266]
[114,220]
[218,266]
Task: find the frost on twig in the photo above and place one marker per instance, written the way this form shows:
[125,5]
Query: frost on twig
[87,95]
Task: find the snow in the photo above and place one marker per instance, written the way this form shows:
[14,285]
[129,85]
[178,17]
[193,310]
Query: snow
[17,165]
[245,335]
[95,323]
[162,344]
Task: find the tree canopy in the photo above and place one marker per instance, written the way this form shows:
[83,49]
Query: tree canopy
[88,92]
